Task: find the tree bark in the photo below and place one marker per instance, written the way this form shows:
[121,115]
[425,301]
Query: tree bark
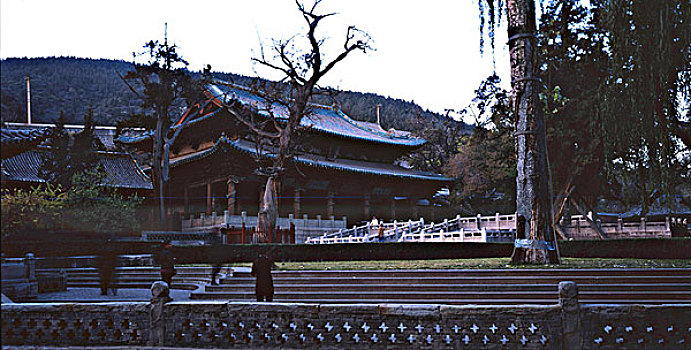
[535,241]
[157,170]
[268,213]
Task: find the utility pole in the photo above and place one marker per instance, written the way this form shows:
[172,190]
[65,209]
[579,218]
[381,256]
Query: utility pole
[28,100]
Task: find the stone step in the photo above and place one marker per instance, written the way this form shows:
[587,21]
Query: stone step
[453,287]
[481,272]
[139,285]
[442,295]
[278,278]
[507,300]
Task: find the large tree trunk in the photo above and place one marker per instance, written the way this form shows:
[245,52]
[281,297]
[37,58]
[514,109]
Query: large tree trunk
[268,208]
[157,171]
[535,242]
[268,213]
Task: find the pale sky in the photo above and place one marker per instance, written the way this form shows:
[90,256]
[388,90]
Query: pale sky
[426,52]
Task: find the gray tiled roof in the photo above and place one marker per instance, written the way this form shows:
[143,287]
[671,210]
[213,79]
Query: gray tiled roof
[354,166]
[16,141]
[324,119]
[121,169]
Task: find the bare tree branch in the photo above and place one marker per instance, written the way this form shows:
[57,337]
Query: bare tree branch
[129,86]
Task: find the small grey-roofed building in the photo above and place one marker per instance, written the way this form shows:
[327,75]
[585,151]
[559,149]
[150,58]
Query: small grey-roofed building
[121,170]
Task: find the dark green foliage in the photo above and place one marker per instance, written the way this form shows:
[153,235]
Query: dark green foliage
[614,78]
[485,163]
[616,97]
[646,121]
[70,154]
[87,206]
[65,84]
[574,67]
[443,136]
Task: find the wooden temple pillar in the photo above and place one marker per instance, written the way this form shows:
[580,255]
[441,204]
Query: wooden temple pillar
[367,206]
[297,203]
[330,203]
[393,208]
[209,196]
[231,194]
[186,199]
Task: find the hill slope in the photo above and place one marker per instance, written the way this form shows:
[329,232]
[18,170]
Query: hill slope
[71,85]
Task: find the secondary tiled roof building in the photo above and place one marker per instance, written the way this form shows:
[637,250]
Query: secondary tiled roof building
[23,158]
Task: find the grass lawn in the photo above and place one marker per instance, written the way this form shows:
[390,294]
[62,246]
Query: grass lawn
[487,263]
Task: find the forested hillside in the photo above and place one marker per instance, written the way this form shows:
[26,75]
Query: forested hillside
[72,85]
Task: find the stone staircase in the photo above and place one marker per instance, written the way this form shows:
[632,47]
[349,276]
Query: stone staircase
[495,286]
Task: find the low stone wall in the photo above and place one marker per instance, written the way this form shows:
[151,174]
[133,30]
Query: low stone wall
[567,325]
[18,278]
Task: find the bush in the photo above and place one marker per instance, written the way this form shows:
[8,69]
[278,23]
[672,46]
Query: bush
[87,206]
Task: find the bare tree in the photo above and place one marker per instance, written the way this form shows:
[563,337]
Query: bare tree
[302,71]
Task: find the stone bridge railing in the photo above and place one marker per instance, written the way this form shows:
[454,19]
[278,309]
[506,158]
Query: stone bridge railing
[566,325]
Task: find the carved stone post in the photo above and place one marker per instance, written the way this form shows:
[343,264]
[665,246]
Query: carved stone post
[30,263]
[157,325]
[572,337]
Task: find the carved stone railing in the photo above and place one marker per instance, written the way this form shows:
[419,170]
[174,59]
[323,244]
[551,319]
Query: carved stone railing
[458,229]
[566,325]
[492,228]
[577,226]
[305,227]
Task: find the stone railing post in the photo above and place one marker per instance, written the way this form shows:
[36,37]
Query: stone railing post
[160,295]
[668,227]
[572,336]
[30,264]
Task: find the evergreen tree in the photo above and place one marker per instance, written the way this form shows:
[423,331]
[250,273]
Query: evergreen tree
[163,84]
